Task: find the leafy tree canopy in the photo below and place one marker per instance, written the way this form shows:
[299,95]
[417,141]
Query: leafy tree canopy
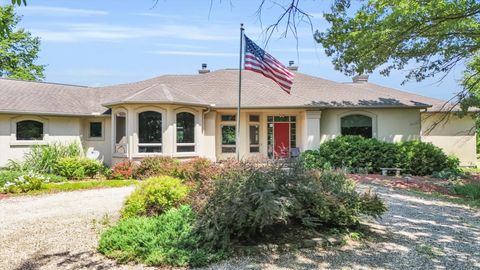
[432,36]
[18,49]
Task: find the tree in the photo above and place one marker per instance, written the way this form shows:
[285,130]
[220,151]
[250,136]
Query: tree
[429,37]
[18,49]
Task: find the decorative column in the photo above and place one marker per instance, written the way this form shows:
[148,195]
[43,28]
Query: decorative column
[312,130]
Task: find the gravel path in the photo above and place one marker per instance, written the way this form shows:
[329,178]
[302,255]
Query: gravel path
[59,232]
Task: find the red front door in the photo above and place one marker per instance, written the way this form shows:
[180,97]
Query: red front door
[281,139]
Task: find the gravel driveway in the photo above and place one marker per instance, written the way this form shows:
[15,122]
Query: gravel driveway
[58,232]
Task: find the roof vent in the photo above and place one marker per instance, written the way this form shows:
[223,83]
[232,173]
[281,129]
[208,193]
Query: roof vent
[291,66]
[362,78]
[204,69]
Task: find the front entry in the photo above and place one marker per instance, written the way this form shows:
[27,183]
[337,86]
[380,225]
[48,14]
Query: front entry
[281,139]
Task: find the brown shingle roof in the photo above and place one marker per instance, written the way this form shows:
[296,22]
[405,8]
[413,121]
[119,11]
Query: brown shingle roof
[218,88]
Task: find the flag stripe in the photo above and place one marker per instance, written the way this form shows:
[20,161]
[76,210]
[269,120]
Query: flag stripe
[272,72]
[259,61]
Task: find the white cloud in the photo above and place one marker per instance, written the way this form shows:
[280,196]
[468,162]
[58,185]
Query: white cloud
[62,11]
[194,53]
[80,32]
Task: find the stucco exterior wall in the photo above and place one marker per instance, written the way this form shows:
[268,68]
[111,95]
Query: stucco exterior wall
[56,129]
[391,125]
[454,135]
[103,144]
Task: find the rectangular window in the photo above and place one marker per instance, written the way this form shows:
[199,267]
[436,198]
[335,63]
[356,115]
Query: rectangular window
[228,117]
[95,129]
[254,134]
[228,139]
[254,118]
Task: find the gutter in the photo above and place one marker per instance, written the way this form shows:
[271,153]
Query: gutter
[54,113]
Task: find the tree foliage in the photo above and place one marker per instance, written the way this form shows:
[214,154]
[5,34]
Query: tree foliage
[428,38]
[18,49]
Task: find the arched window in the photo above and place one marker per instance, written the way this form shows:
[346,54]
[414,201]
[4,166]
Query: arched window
[185,132]
[357,124]
[150,132]
[29,130]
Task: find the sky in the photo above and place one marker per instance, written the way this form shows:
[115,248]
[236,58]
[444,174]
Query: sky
[105,42]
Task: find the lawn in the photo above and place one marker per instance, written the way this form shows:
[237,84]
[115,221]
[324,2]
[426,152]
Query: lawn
[79,185]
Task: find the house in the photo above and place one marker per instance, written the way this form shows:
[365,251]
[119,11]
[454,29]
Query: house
[186,116]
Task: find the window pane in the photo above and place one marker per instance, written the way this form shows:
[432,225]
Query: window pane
[150,149]
[357,125]
[228,135]
[254,134]
[270,118]
[95,129]
[293,118]
[150,127]
[29,130]
[185,127]
[185,148]
[254,149]
[228,149]
[120,130]
[293,135]
[228,117]
[254,118]
[281,118]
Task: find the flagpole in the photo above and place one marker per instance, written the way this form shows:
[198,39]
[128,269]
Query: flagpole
[237,139]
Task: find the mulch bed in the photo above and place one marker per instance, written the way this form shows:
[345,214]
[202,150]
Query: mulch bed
[419,183]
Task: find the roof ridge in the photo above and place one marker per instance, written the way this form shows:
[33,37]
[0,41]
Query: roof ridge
[42,82]
[140,91]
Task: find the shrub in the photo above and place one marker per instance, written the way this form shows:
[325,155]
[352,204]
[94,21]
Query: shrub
[197,169]
[77,167]
[168,239]
[9,176]
[354,153]
[156,166]
[121,170]
[155,196]
[24,183]
[43,158]
[250,198]
[357,154]
[420,158]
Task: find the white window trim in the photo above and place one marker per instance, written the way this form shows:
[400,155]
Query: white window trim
[358,112]
[196,121]
[136,143]
[102,123]
[13,131]
[114,132]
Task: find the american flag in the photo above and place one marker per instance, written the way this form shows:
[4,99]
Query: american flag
[257,60]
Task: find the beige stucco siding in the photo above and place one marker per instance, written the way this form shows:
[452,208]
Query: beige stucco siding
[454,135]
[56,129]
[103,144]
[391,125]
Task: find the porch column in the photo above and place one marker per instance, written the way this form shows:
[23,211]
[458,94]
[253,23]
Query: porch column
[312,130]
[207,147]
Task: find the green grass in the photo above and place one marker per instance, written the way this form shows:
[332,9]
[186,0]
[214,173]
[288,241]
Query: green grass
[443,197]
[79,185]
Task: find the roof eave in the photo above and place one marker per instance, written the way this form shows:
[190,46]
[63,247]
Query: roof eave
[99,114]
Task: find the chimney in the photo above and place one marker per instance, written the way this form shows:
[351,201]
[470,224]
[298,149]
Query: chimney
[204,69]
[362,78]
[291,66]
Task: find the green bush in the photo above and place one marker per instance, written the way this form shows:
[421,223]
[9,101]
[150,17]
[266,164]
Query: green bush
[155,196]
[24,183]
[168,239]
[156,166]
[9,176]
[77,167]
[357,154]
[354,153]
[250,198]
[44,158]
[420,158]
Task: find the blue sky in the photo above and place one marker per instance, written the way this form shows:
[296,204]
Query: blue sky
[107,42]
